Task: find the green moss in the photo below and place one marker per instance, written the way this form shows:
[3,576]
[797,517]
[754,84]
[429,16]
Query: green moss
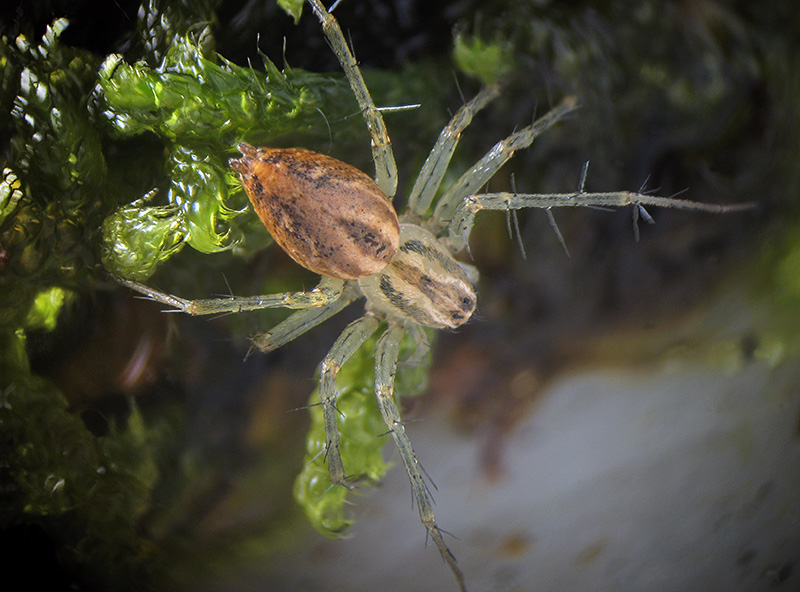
[47,304]
[293,8]
[488,62]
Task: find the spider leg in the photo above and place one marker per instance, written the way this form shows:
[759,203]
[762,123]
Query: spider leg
[353,337]
[385,167]
[327,291]
[435,167]
[301,321]
[486,167]
[386,353]
[461,224]
[423,348]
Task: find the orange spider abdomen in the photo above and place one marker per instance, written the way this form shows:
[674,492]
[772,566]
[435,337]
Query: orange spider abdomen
[326,214]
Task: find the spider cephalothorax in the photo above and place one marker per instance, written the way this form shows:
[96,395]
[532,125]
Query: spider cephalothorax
[422,283]
[334,220]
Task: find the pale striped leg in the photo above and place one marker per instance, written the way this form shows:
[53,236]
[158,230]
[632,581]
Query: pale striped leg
[386,353]
[327,291]
[486,167]
[385,167]
[435,167]
[461,224]
[301,321]
[353,337]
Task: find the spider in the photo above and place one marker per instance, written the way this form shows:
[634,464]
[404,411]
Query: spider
[338,222]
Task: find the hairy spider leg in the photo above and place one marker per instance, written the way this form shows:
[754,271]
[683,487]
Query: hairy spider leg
[461,224]
[352,338]
[327,291]
[433,171]
[386,352]
[494,159]
[301,321]
[385,167]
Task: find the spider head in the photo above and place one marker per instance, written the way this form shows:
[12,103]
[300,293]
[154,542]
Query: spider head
[422,283]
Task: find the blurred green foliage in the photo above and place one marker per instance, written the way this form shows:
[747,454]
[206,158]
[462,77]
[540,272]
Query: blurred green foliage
[488,62]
